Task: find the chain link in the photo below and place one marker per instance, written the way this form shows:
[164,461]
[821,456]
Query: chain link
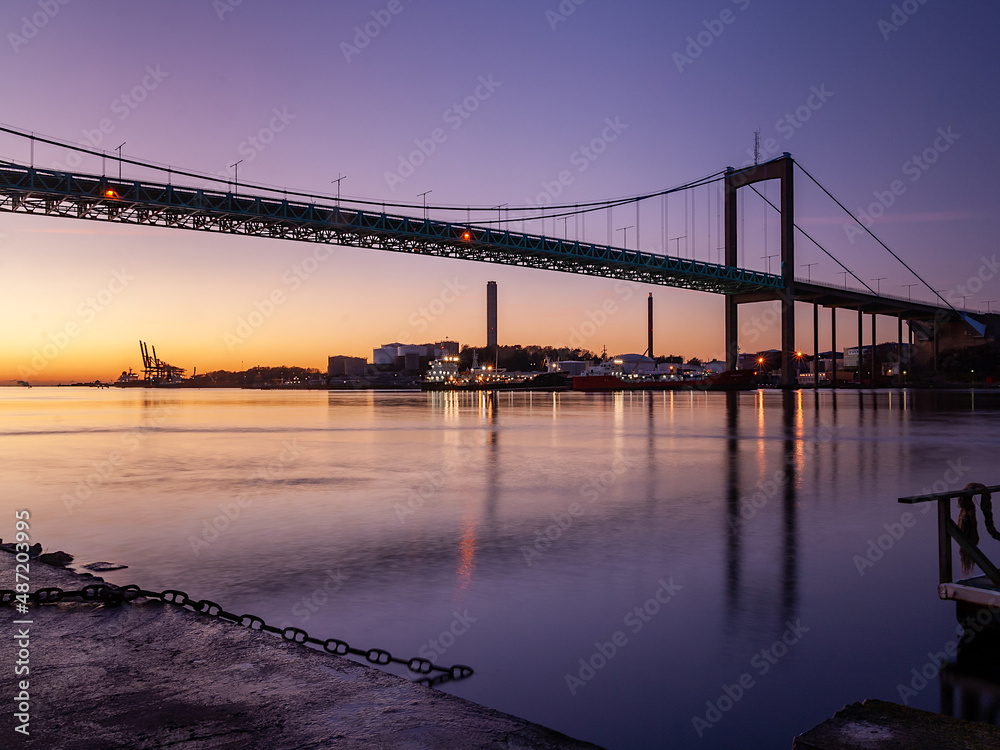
[113,595]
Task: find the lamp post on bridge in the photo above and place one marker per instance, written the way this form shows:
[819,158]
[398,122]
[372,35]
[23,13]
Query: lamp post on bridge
[119,150]
[768,259]
[808,267]
[500,214]
[909,293]
[987,303]
[878,284]
[236,178]
[340,178]
[424,196]
[624,230]
[677,247]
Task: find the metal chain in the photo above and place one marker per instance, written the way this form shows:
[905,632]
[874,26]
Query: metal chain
[109,594]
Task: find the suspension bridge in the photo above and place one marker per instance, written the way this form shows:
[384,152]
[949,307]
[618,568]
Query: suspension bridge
[300,217]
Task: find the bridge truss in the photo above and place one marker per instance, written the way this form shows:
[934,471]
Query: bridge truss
[100,198]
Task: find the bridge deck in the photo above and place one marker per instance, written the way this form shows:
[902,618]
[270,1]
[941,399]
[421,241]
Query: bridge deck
[96,197]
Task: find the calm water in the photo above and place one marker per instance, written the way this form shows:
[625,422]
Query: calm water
[396,520]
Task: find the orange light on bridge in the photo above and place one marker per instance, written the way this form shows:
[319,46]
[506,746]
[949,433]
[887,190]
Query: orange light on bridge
[109,193]
[466,236]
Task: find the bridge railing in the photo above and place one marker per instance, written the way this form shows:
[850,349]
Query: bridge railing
[948,530]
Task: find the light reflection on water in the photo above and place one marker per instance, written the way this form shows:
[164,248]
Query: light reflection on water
[426,506]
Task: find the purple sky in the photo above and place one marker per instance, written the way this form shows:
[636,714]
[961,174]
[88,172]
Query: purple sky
[850,92]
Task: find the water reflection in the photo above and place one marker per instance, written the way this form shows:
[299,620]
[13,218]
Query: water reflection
[970,685]
[425,500]
[740,512]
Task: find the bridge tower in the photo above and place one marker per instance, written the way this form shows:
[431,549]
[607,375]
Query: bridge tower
[781,168]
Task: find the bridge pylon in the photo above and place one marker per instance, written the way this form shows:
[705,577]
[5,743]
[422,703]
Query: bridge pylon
[781,168]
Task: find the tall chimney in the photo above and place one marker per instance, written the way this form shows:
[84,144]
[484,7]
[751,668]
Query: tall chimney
[491,314]
[650,350]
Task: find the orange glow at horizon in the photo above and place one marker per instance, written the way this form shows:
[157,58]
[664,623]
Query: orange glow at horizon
[78,296]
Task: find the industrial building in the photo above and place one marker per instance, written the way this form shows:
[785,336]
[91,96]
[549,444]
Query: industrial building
[340,366]
[412,357]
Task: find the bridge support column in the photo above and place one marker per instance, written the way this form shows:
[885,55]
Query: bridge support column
[861,323]
[731,242]
[786,171]
[815,345]
[732,333]
[909,361]
[935,345]
[833,346]
[899,350]
[874,357]
[781,169]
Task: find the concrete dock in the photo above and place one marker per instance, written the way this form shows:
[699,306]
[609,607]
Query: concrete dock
[150,675]
[879,725]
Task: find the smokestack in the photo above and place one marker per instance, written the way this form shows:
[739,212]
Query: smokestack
[491,314]
[650,349]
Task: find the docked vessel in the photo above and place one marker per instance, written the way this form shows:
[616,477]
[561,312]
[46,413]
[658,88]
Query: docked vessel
[604,381]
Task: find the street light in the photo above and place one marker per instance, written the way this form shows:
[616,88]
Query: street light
[909,293]
[119,150]
[988,305]
[338,181]
[878,284]
[236,180]
[808,267]
[768,258]
[624,230]
[424,196]
[677,247]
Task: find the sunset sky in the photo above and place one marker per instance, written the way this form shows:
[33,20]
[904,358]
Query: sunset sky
[306,91]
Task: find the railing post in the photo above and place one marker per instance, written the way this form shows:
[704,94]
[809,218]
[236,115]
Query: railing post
[944,540]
